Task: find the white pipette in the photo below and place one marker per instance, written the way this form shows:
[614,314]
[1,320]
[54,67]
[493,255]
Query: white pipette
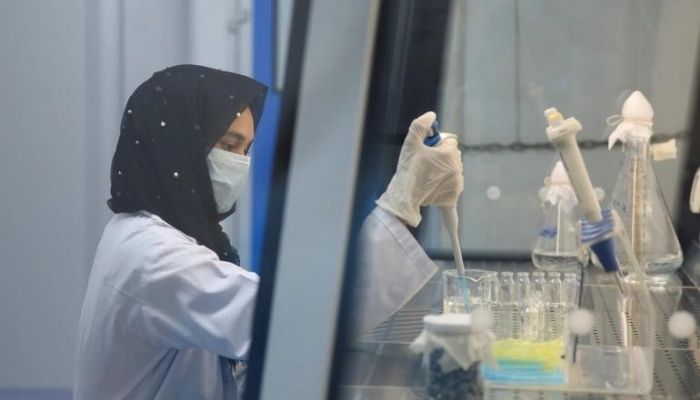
[451,221]
[449,214]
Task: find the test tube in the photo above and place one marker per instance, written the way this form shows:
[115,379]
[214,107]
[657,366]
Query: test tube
[555,288]
[570,290]
[507,289]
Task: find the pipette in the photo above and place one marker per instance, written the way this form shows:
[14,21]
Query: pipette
[561,133]
[449,214]
[451,221]
[597,228]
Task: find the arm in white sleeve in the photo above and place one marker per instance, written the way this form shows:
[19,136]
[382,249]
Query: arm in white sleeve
[392,268]
[190,299]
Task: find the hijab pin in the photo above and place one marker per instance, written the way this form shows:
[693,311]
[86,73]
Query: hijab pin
[238,114]
[162,123]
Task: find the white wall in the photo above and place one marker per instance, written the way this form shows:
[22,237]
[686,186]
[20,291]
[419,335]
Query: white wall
[43,244]
[509,60]
[66,69]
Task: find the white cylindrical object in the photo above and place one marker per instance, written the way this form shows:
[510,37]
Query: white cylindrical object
[561,134]
[451,221]
[578,175]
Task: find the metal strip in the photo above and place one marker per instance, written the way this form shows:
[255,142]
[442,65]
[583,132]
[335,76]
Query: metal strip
[315,232]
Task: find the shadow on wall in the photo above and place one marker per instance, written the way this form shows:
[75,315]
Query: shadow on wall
[35,394]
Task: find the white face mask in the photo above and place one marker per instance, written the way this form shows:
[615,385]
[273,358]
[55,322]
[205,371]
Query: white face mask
[228,172]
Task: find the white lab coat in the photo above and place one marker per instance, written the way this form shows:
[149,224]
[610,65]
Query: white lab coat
[161,311]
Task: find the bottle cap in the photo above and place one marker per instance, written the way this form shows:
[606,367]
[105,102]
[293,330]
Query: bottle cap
[448,324]
[665,151]
[635,120]
[559,175]
[637,108]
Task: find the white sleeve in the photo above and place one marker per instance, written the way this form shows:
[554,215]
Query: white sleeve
[190,299]
[392,268]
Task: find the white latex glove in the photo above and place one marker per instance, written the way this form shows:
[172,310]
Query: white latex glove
[424,175]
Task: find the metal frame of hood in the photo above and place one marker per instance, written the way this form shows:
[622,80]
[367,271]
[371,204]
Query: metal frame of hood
[319,199]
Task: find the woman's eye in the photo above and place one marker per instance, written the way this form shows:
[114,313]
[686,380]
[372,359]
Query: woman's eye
[229,147]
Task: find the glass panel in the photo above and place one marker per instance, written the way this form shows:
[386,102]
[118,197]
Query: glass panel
[503,63]
[507,61]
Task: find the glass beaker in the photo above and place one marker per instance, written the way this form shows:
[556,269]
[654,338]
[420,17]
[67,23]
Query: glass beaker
[465,292]
[638,200]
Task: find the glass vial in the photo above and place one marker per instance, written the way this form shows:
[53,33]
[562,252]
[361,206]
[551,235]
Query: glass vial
[555,288]
[507,288]
[570,288]
[539,283]
[533,318]
[522,287]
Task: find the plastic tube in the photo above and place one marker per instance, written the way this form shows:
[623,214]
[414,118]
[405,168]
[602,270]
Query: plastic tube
[451,222]
[561,134]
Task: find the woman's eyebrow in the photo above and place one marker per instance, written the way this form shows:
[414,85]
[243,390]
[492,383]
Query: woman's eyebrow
[236,136]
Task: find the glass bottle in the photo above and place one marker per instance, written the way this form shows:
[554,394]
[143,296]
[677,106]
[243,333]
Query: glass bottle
[507,289]
[533,326]
[522,287]
[638,200]
[570,288]
[453,350]
[495,292]
[539,283]
[558,246]
[555,288]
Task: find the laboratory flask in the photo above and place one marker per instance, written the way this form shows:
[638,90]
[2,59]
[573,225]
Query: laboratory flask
[558,247]
[637,197]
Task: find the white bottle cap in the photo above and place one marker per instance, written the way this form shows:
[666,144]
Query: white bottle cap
[448,324]
[635,120]
[638,108]
[664,151]
[559,175]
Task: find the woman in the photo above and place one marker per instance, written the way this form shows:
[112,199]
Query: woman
[168,312]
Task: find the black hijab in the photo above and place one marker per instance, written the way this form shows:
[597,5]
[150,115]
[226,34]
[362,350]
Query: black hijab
[169,125]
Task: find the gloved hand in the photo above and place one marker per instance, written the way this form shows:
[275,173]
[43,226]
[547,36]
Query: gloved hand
[424,175]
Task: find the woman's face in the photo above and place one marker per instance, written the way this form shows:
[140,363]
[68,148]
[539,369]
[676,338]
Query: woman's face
[239,135]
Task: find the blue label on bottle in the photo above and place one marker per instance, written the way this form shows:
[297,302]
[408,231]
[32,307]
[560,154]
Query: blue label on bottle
[548,232]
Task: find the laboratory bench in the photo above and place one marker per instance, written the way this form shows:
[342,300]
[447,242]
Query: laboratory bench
[381,366]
